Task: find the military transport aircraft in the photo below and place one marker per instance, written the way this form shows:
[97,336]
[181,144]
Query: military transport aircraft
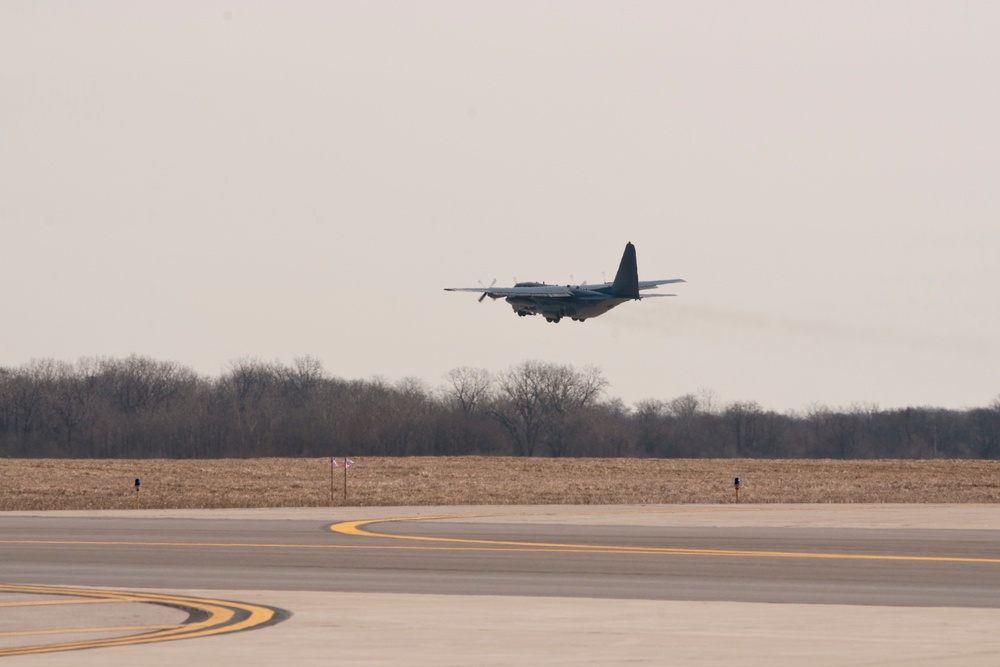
[579,302]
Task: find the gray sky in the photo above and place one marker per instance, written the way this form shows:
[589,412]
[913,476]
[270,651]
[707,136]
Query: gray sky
[202,181]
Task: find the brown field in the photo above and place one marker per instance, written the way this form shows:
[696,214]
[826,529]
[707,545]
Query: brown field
[51,484]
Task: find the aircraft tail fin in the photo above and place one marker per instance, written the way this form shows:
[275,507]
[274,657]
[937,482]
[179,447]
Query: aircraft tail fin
[626,283]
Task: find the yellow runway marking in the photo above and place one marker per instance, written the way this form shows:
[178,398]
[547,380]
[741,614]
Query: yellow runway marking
[43,603]
[542,547]
[224,545]
[354,528]
[219,617]
[69,631]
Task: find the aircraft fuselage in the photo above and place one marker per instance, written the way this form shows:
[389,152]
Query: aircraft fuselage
[582,305]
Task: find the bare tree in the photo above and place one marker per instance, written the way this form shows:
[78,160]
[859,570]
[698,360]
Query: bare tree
[141,407]
[651,428]
[301,382]
[468,387]
[70,399]
[753,429]
[986,430]
[535,399]
[250,390]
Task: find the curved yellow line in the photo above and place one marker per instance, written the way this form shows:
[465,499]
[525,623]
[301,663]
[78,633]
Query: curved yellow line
[355,528]
[70,631]
[219,620]
[48,603]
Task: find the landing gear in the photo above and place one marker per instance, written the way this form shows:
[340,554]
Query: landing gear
[554,320]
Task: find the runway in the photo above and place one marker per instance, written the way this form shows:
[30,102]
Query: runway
[662,567]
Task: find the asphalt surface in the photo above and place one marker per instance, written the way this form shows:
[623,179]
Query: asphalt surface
[933,564]
[748,564]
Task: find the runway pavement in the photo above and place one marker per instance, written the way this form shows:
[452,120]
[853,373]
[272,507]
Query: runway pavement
[750,585]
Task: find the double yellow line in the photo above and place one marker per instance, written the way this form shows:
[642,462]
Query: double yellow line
[206,617]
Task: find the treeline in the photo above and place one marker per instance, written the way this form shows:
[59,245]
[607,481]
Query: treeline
[142,408]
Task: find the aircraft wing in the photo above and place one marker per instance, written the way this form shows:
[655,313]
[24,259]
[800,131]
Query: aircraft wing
[497,292]
[650,284]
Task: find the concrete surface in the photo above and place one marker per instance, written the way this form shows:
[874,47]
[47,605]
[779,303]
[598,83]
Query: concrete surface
[381,628]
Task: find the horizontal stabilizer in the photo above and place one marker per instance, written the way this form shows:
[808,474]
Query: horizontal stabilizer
[650,284]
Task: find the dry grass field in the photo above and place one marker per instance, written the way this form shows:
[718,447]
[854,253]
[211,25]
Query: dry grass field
[51,484]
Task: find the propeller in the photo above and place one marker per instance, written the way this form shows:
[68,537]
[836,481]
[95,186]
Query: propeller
[485,294]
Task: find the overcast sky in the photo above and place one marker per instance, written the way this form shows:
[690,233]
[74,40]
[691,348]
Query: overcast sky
[203,181]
